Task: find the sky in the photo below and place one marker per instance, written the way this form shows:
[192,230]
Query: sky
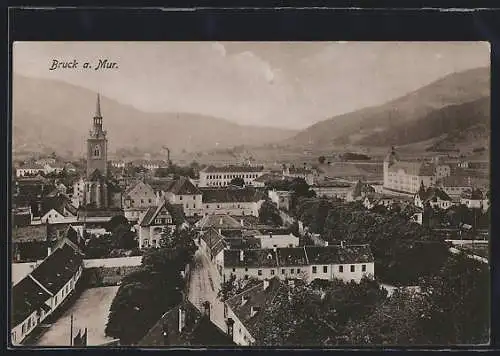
[280,84]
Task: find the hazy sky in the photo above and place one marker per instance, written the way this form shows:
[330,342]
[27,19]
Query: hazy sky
[286,84]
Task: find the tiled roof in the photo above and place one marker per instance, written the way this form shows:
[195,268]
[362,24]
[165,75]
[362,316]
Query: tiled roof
[256,298]
[231,169]
[244,243]
[339,255]
[57,269]
[198,330]
[183,186]
[251,258]
[292,256]
[27,296]
[214,241]
[327,183]
[219,221]
[161,184]
[221,195]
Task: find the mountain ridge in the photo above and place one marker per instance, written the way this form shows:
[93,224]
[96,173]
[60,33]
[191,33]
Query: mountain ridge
[453,90]
[50,114]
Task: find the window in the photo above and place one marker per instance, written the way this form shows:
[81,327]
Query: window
[29,323]
[246,276]
[325,269]
[55,300]
[246,269]
[283,271]
[180,197]
[314,269]
[292,271]
[298,270]
[341,269]
[149,201]
[363,268]
[234,269]
[272,272]
[353,268]
[13,336]
[23,328]
[259,272]
[97,151]
[194,197]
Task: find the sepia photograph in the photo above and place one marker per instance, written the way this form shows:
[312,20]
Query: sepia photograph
[250,194]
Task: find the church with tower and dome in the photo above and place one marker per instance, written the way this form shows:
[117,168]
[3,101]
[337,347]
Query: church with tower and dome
[99,191]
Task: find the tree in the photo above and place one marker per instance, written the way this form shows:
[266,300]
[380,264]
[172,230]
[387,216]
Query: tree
[116,221]
[321,159]
[146,294]
[269,214]
[238,181]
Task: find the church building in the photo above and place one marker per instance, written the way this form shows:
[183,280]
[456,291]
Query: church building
[99,192]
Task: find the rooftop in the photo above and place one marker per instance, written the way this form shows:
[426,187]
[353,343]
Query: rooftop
[57,269]
[254,299]
[27,296]
[183,186]
[221,195]
[292,256]
[29,233]
[231,169]
[219,221]
[252,258]
[339,255]
[174,210]
[198,330]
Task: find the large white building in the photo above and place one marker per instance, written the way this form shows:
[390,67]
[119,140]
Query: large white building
[221,176]
[348,263]
[406,177]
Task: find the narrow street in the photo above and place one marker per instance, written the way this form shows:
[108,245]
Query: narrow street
[90,311]
[204,285]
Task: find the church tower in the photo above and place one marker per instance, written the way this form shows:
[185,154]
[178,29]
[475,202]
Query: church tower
[97,145]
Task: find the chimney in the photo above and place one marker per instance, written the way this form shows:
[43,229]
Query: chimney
[241,222]
[49,251]
[182,319]
[220,232]
[342,244]
[242,255]
[220,221]
[266,284]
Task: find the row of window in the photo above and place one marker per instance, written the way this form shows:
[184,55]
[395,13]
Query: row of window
[180,197]
[314,270]
[231,176]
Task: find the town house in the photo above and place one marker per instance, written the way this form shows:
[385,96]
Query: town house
[156,220]
[137,199]
[232,201]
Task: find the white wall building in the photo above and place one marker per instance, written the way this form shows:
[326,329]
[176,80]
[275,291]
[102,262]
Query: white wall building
[221,176]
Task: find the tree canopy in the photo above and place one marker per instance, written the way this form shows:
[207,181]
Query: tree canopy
[145,295]
[269,214]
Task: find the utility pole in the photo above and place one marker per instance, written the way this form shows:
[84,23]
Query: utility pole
[71,332]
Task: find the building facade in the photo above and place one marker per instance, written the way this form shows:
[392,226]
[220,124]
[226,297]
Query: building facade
[221,176]
[406,177]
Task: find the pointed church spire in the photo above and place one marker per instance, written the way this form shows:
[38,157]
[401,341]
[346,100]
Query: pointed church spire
[98,106]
